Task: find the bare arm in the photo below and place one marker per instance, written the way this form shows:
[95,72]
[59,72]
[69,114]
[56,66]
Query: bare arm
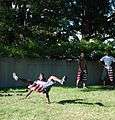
[29,93]
[47,96]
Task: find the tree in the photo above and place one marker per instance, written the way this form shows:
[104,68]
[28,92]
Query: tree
[52,23]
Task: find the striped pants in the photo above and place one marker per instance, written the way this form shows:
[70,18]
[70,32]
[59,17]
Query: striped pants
[107,73]
[81,76]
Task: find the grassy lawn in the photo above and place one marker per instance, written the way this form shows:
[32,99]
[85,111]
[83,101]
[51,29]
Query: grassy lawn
[93,103]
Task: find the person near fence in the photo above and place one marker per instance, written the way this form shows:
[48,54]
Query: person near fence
[107,73]
[41,85]
[81,78]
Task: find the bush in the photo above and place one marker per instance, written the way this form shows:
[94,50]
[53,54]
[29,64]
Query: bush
[31,48]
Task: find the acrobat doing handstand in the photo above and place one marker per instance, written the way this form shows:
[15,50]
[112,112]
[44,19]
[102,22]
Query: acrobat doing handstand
[41,85]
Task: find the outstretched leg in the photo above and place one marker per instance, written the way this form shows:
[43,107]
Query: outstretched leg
[22,79]
[56,79]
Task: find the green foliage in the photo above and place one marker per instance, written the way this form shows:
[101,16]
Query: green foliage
[40,28]
[61,50]
[11,51]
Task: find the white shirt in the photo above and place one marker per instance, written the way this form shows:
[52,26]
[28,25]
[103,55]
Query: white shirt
[44,84]
[107,61]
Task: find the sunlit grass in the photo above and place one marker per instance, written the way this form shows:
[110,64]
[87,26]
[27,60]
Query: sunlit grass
[93,103]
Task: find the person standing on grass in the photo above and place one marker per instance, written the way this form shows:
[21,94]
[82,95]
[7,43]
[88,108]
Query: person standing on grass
[107,73]
[81,72]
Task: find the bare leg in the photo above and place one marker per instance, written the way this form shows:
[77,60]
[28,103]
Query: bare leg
[84,84]
[22,79]
[56,79]
[78,78]
[104,83]
[77,83]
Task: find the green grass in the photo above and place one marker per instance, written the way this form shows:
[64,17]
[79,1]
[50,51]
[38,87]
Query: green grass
[93,103]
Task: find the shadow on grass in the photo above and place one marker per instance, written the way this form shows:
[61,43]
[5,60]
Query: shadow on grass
[78,101]
[98,88]
[13,90]
[8,95]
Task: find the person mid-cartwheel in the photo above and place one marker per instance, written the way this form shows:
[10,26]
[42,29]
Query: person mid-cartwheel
[41,85]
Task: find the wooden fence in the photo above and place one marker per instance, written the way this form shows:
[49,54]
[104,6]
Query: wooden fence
[30,68]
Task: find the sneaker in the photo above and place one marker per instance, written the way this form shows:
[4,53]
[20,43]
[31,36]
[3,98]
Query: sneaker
[15,76]
[63,79]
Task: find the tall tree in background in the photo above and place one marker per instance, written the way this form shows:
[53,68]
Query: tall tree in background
[53,21]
